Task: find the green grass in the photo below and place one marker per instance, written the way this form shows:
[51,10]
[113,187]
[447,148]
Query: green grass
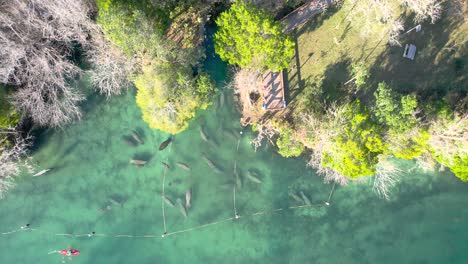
[329,43]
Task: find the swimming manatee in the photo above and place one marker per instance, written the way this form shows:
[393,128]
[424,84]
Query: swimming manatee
[167,200]
[41,172]
[296,197]
[138,163]
[137,137]
[183,166]
[130,141]
[304,197]
[238,180]
[203,134]
[211,164]
[165,165]
[188,198]
[253,177]
[182,209]
[165,144]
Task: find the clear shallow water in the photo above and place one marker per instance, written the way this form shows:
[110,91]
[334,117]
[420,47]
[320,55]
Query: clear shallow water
[425,222]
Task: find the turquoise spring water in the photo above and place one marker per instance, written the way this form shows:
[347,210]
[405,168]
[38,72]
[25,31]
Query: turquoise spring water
[93,187]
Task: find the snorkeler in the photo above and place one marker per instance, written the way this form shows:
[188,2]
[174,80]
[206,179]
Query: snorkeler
[69,252]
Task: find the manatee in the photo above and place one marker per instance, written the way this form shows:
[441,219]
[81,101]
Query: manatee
[203,134]
[41,172]
[306,200]
[137,137]
[296,197]
[238,180]
[167,200]
[183,166]
[165,165]
[188,198]
[252,176]
[182,209]
[211,164]
[138,162]
[165,143]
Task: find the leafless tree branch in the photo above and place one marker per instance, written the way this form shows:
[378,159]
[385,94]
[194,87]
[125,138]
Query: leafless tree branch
[11,163]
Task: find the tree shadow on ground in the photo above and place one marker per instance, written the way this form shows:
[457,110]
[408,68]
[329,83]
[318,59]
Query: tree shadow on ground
[323,92]
[292,78]
[437,69]
[332,88]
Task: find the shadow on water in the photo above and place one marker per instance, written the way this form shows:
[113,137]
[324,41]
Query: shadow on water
[145,156]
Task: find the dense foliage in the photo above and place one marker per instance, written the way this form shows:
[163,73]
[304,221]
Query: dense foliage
[395,111]
[354,152]
[287,145]
[171,85]
[250,38]
[353,140]
[448,142]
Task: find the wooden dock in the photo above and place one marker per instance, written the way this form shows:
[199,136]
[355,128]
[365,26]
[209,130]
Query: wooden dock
[272,82]
[273,91]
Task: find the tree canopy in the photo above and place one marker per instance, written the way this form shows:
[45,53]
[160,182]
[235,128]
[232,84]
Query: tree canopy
[250,38]
[170,86]
[169,96]
[354,152]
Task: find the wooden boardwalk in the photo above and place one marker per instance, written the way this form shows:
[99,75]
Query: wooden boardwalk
[273,91]
[272,82]
[303,13]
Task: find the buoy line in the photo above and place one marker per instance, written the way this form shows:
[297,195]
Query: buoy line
[165,233]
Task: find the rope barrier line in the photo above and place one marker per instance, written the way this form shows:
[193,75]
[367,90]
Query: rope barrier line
[170,233]
[305,206]
[201,226]
[236,216]
[234,201]
[331,193]
[13,231]
[163,185]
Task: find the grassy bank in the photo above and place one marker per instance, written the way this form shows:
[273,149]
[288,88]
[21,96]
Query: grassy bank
[330,43]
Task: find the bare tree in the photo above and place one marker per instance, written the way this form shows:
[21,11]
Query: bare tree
[449,136]
[424,9]
[329,175]
[426,162]
[37,38]
[395,33]
[371,16]
[47,97]
[10,162]
[264,131]
[318,134]
[111,69]
[387,175]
